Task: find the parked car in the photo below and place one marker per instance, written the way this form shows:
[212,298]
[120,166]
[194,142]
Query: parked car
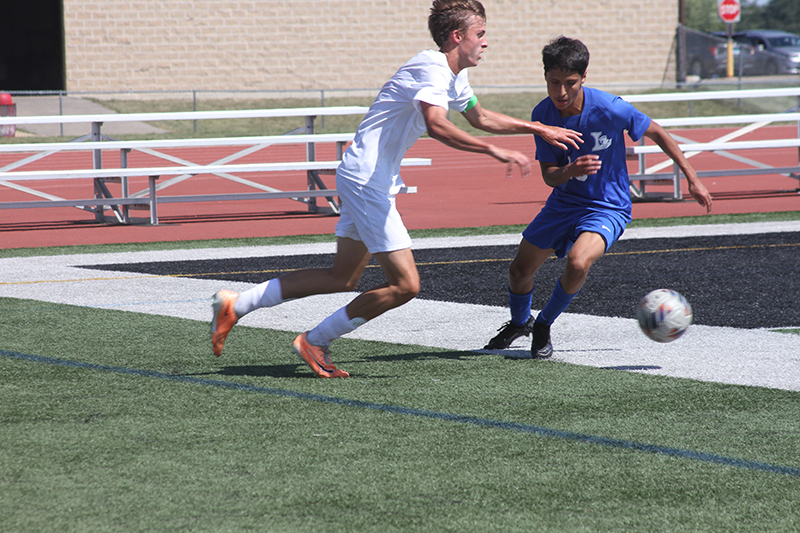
[773,51]
[702,50]
[707,54]
[755,53]
[745,58]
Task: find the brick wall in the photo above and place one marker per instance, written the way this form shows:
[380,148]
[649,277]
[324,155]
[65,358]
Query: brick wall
[114,45]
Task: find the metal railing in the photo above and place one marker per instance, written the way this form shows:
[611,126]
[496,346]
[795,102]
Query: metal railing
[644,176]
[721,146]
[97,142]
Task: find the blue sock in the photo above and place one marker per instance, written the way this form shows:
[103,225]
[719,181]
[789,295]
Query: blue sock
[556,305]
[520,305]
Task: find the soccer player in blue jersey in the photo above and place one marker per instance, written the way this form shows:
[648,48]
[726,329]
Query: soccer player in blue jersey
[590,204]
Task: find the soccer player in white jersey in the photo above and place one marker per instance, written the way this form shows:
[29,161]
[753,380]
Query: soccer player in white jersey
[590,204]
[416,99]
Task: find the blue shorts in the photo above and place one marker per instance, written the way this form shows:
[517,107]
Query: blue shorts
[559,227]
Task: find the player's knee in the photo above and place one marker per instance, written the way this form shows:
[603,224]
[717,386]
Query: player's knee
[411,289]
[407,290]
[578,266]
[518,273]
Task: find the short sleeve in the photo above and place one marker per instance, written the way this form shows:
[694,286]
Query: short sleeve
[633,120]
[638,124]
[434,88]
[463,91]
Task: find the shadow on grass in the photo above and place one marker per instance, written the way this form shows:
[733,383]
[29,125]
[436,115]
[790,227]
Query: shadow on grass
[302,371]
[271,371]
[278,371]
[417,356]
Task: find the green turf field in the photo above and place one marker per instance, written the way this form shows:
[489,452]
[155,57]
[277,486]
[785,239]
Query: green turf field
[120,421]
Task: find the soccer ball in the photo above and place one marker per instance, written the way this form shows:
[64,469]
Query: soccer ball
[664,315]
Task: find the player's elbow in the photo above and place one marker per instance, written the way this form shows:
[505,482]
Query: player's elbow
[552,179]
[550,182]
[436,131]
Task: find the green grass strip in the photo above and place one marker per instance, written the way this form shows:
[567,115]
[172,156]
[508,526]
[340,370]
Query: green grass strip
[449,417]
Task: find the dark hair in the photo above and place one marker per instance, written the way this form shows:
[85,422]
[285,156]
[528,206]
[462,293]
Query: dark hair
[448,16]
[563,53]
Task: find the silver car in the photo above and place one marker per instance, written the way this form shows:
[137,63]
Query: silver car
[773,51]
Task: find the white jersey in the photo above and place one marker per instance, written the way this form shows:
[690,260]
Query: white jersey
[394,121]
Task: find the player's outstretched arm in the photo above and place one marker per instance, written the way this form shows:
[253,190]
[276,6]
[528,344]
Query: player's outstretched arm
[444,131]
[494,122]
[665,141]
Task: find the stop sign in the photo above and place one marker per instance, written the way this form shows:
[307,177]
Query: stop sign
[730,11]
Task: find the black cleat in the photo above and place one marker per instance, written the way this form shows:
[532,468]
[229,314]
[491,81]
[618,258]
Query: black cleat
[541,347]
[508,334]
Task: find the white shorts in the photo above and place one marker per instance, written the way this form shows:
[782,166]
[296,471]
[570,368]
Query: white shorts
[371,217]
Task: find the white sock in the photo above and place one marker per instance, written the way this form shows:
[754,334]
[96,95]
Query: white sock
[267,294]
[333,327]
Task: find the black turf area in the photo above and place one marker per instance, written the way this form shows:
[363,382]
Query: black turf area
[742,281]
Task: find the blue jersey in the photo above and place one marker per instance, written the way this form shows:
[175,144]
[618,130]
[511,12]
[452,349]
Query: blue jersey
[602,122]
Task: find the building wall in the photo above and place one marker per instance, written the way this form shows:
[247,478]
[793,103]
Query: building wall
[116,45]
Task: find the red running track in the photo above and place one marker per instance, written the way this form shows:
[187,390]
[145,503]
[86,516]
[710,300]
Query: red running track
[460,189]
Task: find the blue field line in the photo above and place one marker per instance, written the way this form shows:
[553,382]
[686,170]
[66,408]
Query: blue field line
[461,419]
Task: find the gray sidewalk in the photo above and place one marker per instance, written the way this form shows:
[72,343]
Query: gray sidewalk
[31,106]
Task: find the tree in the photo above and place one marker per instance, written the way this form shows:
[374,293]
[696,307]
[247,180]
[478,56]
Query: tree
[776,15]
[753,16]
[756,15]
[702,15]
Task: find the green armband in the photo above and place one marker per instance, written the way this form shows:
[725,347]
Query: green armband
[472,102]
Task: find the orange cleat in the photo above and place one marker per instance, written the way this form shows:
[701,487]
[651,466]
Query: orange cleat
[317,358]
[224,318]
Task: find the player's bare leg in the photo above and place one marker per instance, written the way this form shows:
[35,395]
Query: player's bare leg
[401,286]
[587,249]
[351,259]
[526,263]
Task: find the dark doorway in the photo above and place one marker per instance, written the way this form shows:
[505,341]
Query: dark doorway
[32,45]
